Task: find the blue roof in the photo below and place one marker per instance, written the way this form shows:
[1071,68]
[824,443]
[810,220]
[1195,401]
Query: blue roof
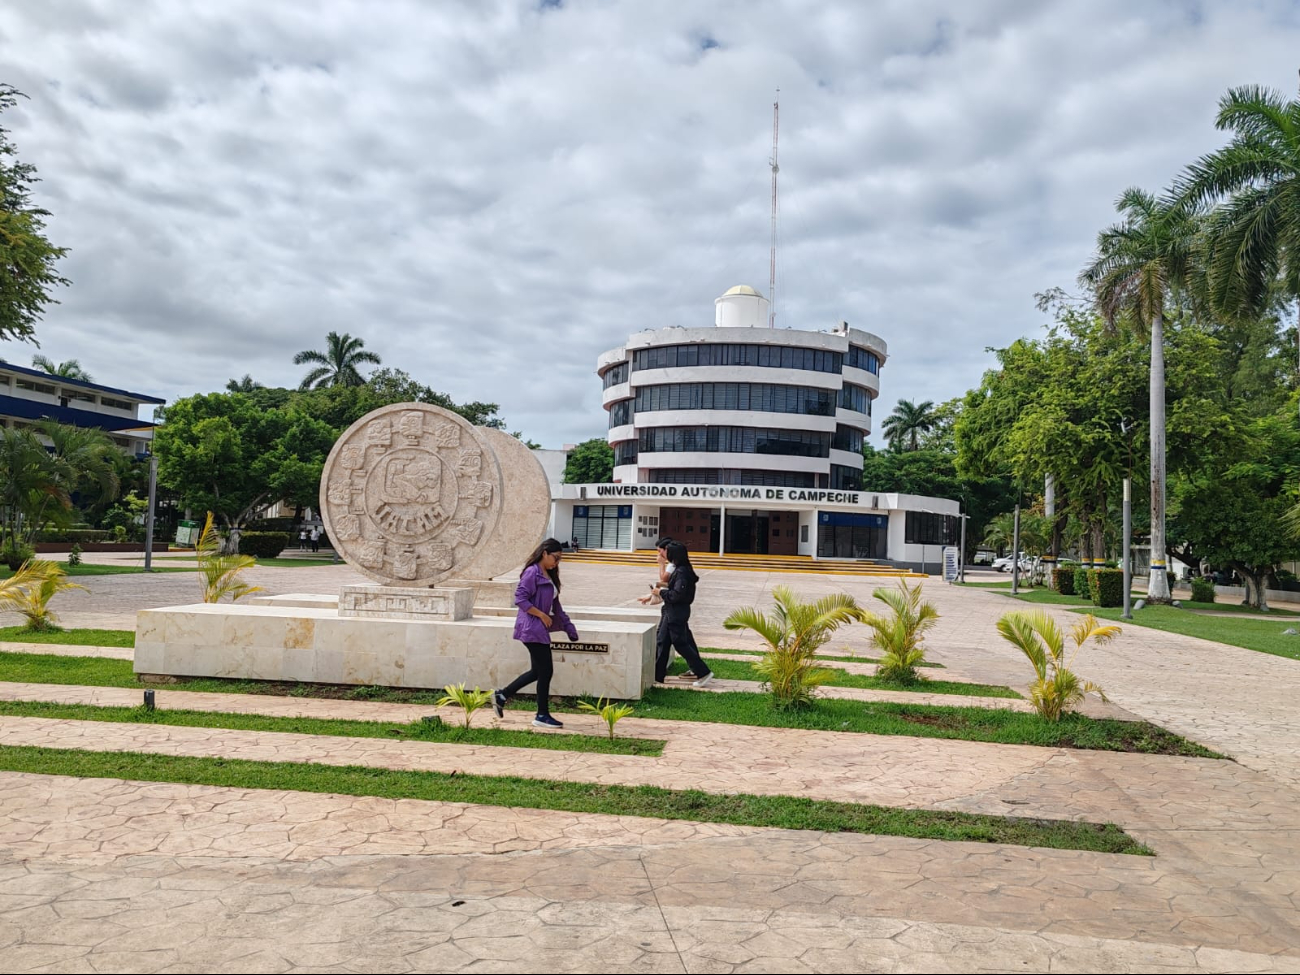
[30,409]
[48,377]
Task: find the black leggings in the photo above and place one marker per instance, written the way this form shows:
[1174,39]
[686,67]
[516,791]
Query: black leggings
[543,666]
[676,632]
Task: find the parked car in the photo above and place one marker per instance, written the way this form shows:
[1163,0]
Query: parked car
[1004,564]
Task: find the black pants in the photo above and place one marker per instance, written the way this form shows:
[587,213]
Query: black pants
[543,667]
[675,631]
[315,544]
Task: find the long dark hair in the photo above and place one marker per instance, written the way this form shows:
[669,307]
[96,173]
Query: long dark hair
[550,545]
[676,554]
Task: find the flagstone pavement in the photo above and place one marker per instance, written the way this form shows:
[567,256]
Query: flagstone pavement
[105,875]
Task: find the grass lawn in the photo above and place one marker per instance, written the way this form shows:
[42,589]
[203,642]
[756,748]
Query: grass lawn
[82,637]
[998,725]
[86,569]
[785,812]
[739,670]
[450,732]
[1237,608]
[1263,635]
[847,658]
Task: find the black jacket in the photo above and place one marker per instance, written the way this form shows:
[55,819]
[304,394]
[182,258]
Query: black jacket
[679,593]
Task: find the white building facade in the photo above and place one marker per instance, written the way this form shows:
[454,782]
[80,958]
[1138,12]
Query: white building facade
[746,439]
[28,395]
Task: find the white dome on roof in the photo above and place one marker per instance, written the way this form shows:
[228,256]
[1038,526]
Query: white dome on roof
[740,307]
[742,289]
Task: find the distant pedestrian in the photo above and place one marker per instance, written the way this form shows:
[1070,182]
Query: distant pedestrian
[302,539]
[678,592]
[315,539]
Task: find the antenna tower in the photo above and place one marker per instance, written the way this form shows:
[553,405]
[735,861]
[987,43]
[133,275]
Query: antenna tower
[771,276]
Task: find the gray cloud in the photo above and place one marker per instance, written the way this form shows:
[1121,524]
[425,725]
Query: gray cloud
[492,193]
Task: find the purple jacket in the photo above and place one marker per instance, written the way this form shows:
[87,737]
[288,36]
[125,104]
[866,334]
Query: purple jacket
[536,589]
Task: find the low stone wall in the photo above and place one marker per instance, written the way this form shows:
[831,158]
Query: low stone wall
[300,643]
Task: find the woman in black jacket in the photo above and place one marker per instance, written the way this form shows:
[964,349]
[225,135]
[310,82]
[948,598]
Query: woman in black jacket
[674,620]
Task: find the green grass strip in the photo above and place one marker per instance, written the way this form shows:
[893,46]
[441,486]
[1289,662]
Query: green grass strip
[446,732]
[90,569]
[739,670]
[783,812]
[847,658]
[80,638]
[1237,608]
[1265,636]
[998,725]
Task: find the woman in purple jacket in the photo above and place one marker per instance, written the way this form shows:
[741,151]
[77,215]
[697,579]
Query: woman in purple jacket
[540,613]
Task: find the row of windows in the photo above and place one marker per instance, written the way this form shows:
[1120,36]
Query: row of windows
[728,354]
[855,398]
[625,453]
[616,375]
[847,438]
[759,397]
[924,528]
[620,413]
[736,440]
[701,475]
[845,478]
[860,358]
[603,526]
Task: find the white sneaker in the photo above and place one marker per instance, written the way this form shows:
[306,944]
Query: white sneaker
[704,681]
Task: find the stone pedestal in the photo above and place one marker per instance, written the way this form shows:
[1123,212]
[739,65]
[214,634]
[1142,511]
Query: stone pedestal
[296,643]
[487,592]
[395,602]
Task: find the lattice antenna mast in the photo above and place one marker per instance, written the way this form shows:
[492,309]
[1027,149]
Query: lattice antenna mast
[771,275]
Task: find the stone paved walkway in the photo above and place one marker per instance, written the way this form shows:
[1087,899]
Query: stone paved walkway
[1222,895]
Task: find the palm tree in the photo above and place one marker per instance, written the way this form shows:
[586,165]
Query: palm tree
[1139,262]
[900,636]
[1255,234]
[793,633]
[337,366]
[1056,689]
[907,420]
[71,369]
[245,385]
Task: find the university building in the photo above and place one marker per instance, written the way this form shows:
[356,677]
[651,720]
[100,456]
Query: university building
[745,439]
[28,395]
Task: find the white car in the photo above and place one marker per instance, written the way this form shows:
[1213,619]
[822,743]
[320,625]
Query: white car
[1004,564]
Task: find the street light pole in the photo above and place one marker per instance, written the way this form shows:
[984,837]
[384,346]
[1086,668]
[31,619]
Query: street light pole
[1128,541]
[148,515]
[1015,553]
[961,552]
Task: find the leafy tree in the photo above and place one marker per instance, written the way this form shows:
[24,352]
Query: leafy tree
[27,258]
[337,365]
[222,453]
[591,462]
[1139,262]
[71,369]
[908,421]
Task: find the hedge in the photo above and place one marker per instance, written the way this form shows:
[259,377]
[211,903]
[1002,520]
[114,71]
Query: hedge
[1108,587]
[284,524]
[79,535]
[262,545]
[1202,590]
[1082,584]
[1063,581]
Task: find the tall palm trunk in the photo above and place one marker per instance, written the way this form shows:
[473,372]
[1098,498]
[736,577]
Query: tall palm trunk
[1158,584]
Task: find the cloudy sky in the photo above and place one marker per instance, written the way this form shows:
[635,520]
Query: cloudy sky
[491,193]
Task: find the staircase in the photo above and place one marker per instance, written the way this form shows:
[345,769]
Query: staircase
[750,563]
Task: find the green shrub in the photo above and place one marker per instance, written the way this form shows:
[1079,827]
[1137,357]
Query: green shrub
[1203,590]
[1108,587]
[285,524]
[262,545]
[14,555]
[1063,581]
[1082,586]
[78,535]
[74,555]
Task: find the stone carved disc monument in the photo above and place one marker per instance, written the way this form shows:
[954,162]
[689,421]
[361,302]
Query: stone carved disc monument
[411,495]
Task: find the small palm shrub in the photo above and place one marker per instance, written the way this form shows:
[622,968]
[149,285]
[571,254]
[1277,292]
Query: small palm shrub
[74,555]
[29,591]
[793,632]
[220,574]
[899,637]
[1056,688]
[470,701]
[610,712]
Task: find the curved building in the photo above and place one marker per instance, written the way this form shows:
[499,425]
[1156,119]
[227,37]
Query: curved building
[746,439]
